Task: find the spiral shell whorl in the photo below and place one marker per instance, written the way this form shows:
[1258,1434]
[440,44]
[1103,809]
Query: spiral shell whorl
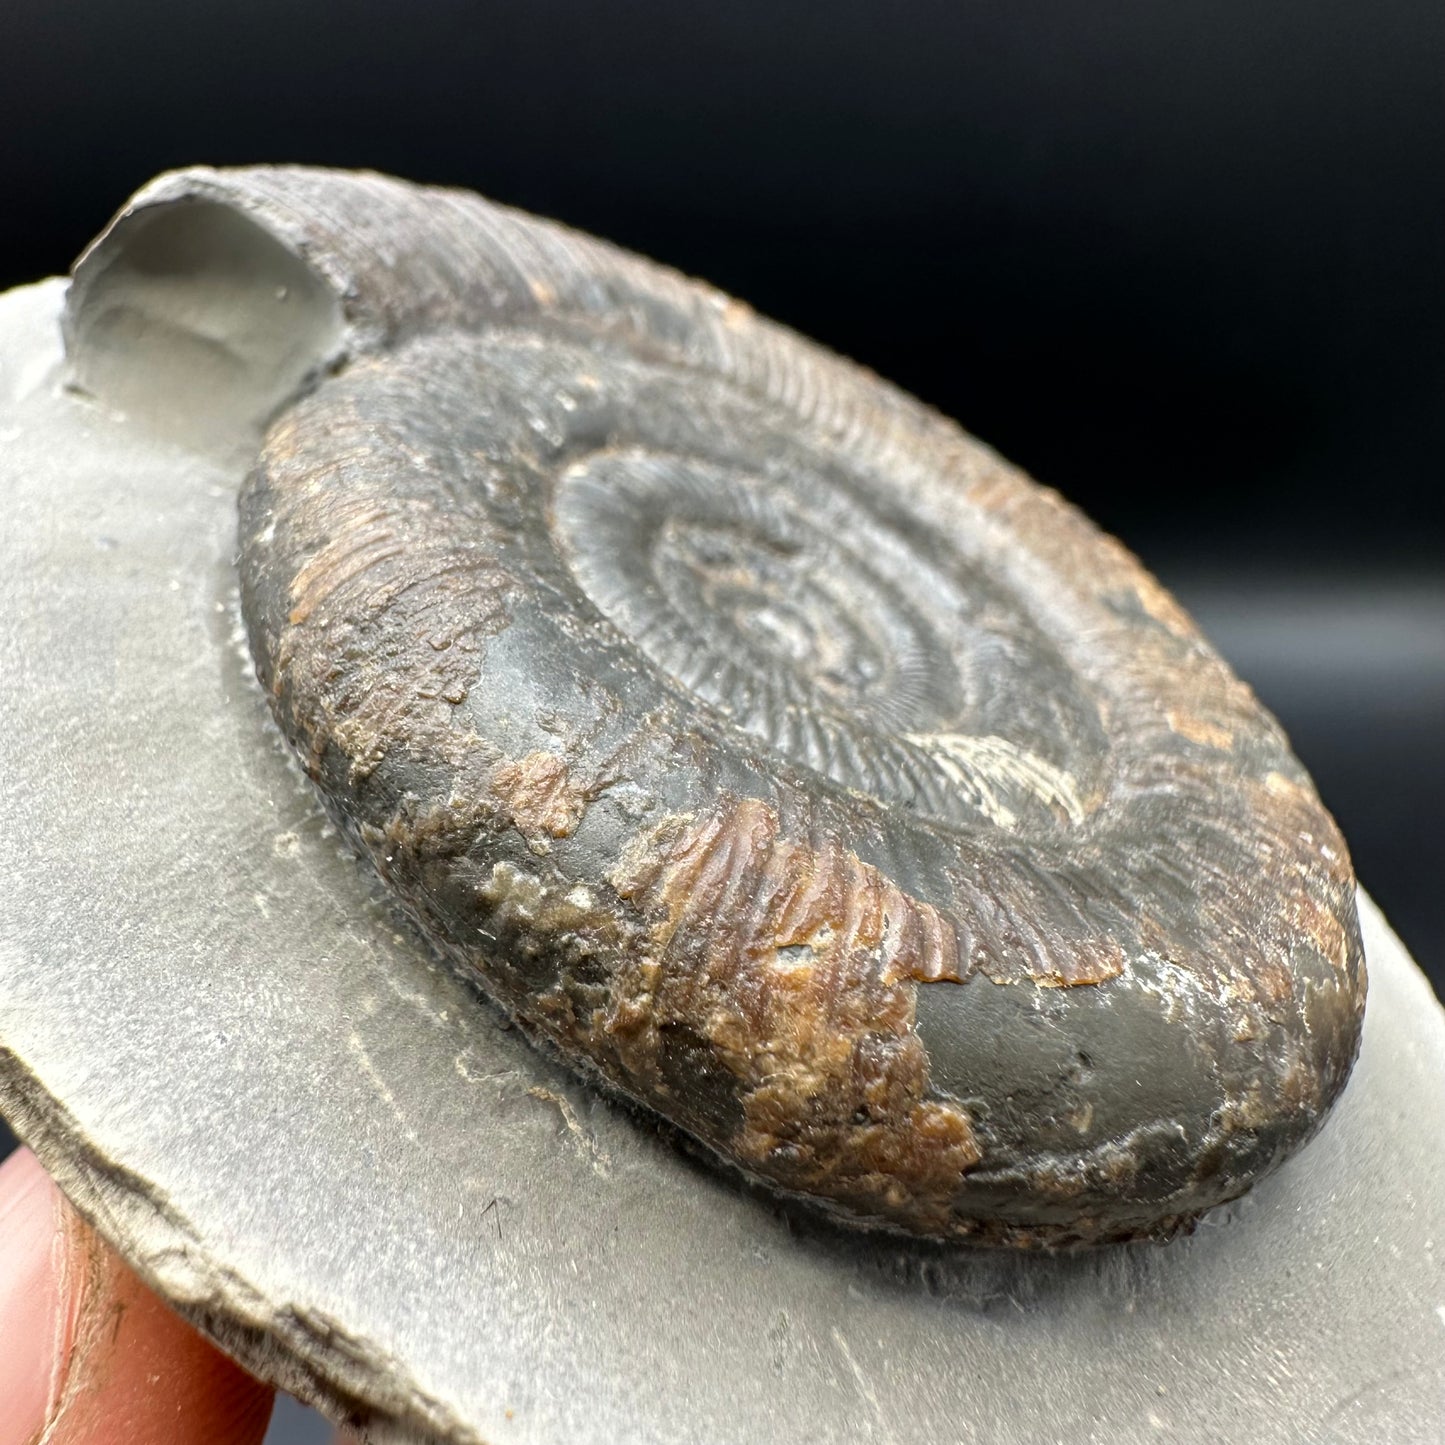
[768,745]
[781,602]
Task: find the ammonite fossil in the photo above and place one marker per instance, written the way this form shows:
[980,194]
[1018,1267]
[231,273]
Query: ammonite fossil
[763,743]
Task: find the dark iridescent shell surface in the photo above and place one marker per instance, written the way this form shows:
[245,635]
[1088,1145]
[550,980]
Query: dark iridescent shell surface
[769,747]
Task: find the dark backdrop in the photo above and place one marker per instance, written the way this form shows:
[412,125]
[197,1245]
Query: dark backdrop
[1181,260]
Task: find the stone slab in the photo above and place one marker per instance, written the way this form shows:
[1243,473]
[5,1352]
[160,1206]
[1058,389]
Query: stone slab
[327,1150]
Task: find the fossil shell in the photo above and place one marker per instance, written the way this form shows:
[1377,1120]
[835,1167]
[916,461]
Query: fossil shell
[761,741]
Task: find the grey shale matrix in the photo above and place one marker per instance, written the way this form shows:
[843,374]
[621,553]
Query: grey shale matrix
[763,743]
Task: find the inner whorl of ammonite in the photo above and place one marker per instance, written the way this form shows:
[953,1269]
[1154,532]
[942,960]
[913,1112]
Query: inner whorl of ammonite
[812,624]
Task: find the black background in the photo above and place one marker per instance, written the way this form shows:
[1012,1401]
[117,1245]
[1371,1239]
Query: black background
[1183,261]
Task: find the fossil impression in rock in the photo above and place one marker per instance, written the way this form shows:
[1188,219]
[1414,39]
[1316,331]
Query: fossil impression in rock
[763,743]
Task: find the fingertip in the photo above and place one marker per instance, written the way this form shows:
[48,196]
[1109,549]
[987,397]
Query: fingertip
[116,1363]
[33,1319]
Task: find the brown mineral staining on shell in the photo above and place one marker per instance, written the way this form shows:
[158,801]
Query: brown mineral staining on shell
[793,765]
[1068,968]
[1198,730]
[731,884]
[797,968]
[361,559]
[539,795]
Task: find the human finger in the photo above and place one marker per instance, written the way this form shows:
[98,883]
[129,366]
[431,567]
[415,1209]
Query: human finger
[88,1354]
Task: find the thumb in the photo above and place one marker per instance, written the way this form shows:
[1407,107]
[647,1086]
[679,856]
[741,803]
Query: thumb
[88,1355]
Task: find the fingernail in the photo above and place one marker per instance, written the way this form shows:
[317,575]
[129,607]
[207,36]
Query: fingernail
[33,1318]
